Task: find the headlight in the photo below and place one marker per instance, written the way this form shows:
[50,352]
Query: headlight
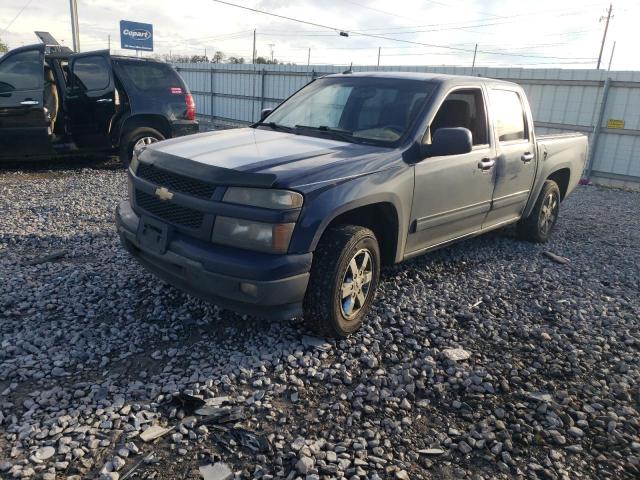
[263,197]
[264,237]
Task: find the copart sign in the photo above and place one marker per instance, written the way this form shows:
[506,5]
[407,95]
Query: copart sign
[136,35]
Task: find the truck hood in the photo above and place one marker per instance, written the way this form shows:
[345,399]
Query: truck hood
[289,159]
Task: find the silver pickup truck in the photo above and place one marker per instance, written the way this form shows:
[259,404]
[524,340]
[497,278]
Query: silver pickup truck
[297,213]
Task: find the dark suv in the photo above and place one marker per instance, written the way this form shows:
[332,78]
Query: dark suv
[54,102]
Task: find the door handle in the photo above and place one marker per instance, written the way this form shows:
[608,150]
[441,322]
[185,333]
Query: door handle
[104,100]
[527,157]
[486,163]
[29,102]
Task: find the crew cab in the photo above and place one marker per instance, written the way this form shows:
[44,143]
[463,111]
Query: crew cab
[55,102]
[298,213]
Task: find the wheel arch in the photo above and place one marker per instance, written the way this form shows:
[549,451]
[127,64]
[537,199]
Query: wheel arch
[380,215]
[157,122]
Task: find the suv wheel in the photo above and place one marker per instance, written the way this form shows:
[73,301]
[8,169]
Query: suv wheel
[343,282]
[138,137]
[537,227]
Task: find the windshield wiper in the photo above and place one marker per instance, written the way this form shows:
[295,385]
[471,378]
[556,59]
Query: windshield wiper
[341,133]
[273,126]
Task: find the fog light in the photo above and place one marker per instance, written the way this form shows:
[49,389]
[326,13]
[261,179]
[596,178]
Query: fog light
[249,289]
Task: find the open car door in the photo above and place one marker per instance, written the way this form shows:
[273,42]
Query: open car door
[90,99]
[24,129]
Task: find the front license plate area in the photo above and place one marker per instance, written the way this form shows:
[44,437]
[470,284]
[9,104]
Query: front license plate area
[153,235]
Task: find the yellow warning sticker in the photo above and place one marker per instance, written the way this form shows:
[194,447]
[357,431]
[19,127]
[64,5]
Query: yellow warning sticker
[615,123]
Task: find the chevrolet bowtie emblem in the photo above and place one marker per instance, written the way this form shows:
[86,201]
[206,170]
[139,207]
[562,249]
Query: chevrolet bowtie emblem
[163,194]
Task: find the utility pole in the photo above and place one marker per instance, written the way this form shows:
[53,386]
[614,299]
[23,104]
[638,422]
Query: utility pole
[75,31]
[379,48]
[604,37]
[613,50]
[309,57]
[109,41]
[254,46]
[473,65]
[271,45]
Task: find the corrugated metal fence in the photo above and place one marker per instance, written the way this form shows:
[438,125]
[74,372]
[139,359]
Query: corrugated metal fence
[604,105]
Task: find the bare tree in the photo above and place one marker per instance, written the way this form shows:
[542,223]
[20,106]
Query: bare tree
[218,57]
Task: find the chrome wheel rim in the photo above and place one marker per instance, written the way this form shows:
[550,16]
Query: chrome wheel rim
[356,283]
[548,213]
[144,142]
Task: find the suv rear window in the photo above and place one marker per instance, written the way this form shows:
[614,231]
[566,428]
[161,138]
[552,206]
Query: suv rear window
[151,76]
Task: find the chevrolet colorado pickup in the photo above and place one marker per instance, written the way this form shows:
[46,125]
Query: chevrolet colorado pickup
[55,102]
[298,213]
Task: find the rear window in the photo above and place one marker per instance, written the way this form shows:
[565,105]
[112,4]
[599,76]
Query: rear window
[152,76]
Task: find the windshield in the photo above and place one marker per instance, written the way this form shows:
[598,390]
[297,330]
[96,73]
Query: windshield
[378,110]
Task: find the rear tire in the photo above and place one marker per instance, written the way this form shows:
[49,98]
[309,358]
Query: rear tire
[538,226]
[147,135]
[343,282]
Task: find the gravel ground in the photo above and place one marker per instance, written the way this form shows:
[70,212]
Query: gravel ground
[483,360]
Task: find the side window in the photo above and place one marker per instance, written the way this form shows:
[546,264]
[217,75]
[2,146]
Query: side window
[91,73]
[463,108]
[22,71]
[148,76]
[508,115]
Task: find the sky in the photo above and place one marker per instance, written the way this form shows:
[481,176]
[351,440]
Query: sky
[509,33]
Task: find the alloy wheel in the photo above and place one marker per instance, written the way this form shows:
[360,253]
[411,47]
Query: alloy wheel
[356,283]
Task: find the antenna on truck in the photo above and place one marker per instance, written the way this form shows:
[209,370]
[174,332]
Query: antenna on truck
[349,70]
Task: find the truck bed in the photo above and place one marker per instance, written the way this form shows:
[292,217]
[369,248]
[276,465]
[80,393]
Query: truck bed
[562,151]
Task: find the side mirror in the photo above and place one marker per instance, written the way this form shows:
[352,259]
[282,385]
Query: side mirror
[265,113]
[448,141]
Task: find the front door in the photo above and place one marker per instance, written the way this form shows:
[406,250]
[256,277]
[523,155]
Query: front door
[24,129]
[90,100]
[516,159]
[452,194]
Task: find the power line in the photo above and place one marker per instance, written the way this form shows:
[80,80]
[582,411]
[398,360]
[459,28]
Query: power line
[17,15]
[382,37]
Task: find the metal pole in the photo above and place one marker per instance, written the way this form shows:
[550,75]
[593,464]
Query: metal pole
[379,56]
[212,96]
[254,46]
[473,65]
[596,128]
[263,74]
[75,31]
[109,41]
[309,57]
[613,50]
[604,36]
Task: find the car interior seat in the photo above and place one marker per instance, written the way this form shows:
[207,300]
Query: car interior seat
[452,113]
[51,98]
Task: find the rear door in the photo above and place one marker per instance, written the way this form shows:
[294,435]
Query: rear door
[516,154]
[90,100]
[23,126]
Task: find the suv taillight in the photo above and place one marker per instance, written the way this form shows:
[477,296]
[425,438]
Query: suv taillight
[191,107]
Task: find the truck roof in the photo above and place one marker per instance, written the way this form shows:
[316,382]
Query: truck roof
[439,78]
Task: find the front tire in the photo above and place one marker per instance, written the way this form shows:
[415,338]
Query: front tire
[537,227]
[138,137]
[344,278]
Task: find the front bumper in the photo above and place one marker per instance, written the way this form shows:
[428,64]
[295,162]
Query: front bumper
[215,272]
